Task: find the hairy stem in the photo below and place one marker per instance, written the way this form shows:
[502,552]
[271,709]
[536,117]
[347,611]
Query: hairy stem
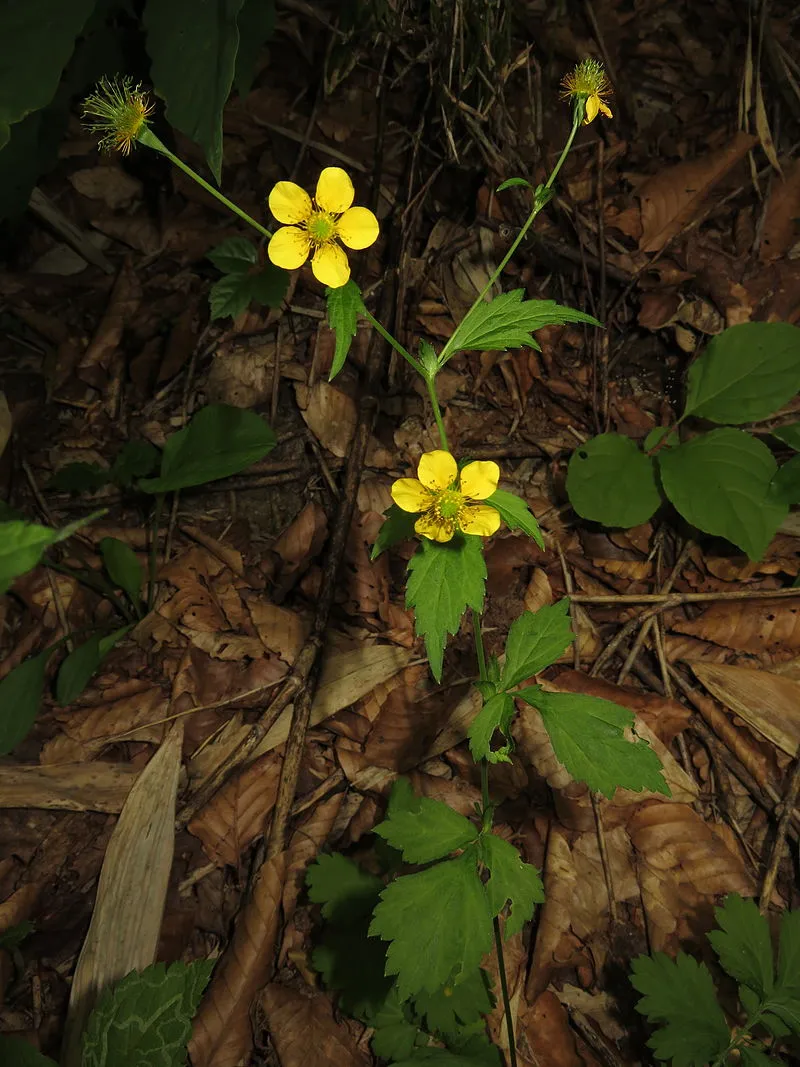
[399,349]
[430,381]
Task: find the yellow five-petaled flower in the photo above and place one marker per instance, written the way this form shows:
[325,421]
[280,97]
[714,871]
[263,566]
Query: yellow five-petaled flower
[442,496]
[588,84]
[314,227]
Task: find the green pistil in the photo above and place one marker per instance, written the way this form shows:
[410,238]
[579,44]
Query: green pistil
[448,504]
[321,227]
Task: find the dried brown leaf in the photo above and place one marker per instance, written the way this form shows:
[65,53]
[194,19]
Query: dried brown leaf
[306,841]
[780,231]
[757,626]
[305,1031]
[767,702]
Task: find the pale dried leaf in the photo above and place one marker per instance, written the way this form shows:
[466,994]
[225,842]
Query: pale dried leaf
[109,183]
[768,703]
[756,626]
[67,787]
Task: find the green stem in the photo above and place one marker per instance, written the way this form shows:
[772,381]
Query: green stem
[147,137]
[498,945]
[153,559]
[430,381]
[97,583]
[479,650]
[391,340]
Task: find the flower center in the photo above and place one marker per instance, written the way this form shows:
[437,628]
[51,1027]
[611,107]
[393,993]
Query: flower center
[321,227]
[448,504]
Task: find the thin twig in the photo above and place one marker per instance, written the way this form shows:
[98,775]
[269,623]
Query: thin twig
[779,844]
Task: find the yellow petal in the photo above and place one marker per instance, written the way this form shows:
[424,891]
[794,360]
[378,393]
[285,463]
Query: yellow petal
[411,495]
[289,247]
[330,265]
[479,519]
[334,190]
[592,107]
[358,227]
[429,526]
[479,480]
[605,110]
[289,203]
[437,470]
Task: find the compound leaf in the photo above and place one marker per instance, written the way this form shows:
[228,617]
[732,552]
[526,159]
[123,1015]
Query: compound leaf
[743,944]
[508,321]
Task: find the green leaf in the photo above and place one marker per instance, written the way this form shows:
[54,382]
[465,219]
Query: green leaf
[344,307]
[443,910]
[122,566]
[16,1052]
[720,482]
[22,545]
[256,22]
[788,977]
[746,373]
[192,46]
[396,1034]
[750,1056]
[232,294]
[145,1020]
[508,321]
[79,478]
[15,935]
[269,284]
[510,182]
[535,640]
[488,1056]
[76,671]
[398,526]
[657,435]
[345,890]
[516,514]
[137,459]
[38,39]
[353,963]
[785,484]
[443,581]
[423,829]
[496,714]
[743,944]
[512,881]
[20,700]
[790,435]
[680,994]
[587,735]
[610,480]
[219,441]
[236,255]
[448,1011]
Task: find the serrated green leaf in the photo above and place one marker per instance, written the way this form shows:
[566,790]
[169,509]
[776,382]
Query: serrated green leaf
[79,478]
[219,441]
[680,995]
[16,1052]
[344,307]
[743,944]
[256,22]
[512,882]
[448,1011]
[787,1010]
[444,909]
[396,1033]
[398,526]
[746,373]
[423,829]
[443,581]
[145,1020]
[122,566]
[587,735]
[750,1056]
[488,1056]
[509,321]
[345,890]
[785,484]
[516,514]
[352,963]
[790,435]
[496,714]
[610,480]
[137,459]
[233,293]
[192,46]
[535,640]
[268,285]
[76,671]
[20,700]
[720,482]
[235,255]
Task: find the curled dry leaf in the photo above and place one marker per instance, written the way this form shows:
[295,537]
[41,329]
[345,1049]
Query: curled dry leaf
[757,626]
[545,1035]
[330,414]
[305,1031]
[221,1032]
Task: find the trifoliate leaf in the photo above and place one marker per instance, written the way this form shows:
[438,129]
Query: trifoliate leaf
[421,828]
[236,255]
[76,671]
[610,480]
[443,581]
[535,640]
[448,1011]
[345,890]
[587,735]
[720,482]
[496,714]
[508,321]
[516,514]
[398,526]
[344,307]
[746,373]
[396,1031]
[16,1052]
[680,995]
[145,1020]
[442,910]
[232,294]
[743,944]
[512,881]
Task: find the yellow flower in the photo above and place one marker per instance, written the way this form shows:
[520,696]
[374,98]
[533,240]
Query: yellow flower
[314,227]
[588,84]
[440,493]
[119,110]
